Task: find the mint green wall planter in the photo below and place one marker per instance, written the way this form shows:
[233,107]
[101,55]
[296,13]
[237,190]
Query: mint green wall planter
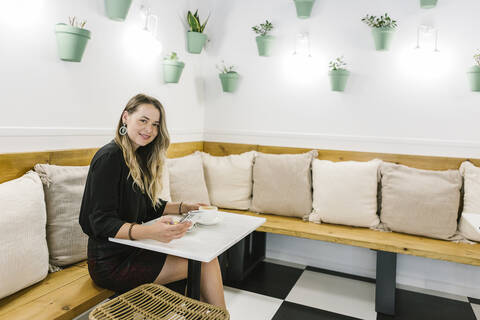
[195,41]
[172,70]
[382,38]
[427,4]
[304,8]
[229,81]
[117,9]
[71,42]
[265,45]
[474,77]
[338,79]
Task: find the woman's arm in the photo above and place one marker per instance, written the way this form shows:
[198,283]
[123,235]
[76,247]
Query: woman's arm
[174,207]
[162,230]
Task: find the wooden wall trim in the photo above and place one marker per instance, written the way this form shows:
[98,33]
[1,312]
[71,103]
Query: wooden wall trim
[415,161]
[14,165]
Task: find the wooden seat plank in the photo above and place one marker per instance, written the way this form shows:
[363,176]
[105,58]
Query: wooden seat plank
[363,237]
[65,302]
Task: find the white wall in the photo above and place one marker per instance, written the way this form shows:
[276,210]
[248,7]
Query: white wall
[51,104]
[400,101]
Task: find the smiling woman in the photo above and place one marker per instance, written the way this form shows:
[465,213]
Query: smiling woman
[122,192]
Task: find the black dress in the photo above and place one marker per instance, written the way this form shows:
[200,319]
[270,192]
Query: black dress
[110,199]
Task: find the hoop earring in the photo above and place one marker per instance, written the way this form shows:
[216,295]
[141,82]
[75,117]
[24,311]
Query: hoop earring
[123,130]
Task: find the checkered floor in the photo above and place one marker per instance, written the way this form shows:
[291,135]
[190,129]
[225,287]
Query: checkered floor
[280,291]
[277,290]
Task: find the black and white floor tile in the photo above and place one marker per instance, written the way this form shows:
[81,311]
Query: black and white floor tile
[276,290]
[282,292]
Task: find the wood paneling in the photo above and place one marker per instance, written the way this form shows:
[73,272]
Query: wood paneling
[420,162]
[366,238]
[14,165]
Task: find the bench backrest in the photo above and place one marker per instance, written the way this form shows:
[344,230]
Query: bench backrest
[14,165]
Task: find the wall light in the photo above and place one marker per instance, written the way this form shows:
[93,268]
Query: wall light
[427,36]
[150,20]
[302,45]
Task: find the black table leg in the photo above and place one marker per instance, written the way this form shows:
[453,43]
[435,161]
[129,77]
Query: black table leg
[386,282]
[193,279]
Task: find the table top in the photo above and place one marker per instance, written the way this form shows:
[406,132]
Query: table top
[203,243]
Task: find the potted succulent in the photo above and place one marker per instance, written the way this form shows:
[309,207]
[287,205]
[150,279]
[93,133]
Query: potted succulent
[71,39]
[474,74]
[117,9]
[264,41]
[172,68]
[427,4]
[383,28]
[338,74]
[228,77]
[304,8]
[195,36]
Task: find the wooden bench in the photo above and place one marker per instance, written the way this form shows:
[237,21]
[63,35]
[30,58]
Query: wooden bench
[69,292]
[386,244]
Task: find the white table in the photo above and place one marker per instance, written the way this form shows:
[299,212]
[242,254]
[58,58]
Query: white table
[202,244]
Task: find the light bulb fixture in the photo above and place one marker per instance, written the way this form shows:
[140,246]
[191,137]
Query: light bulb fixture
[427,34]
[151,20]
[302,45]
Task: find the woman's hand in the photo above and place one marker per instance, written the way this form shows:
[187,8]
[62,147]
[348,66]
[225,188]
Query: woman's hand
[189,206]
[164,230]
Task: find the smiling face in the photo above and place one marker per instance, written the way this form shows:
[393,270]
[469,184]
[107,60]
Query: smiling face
[142,124]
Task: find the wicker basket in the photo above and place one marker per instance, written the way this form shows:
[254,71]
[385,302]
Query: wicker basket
[155,302]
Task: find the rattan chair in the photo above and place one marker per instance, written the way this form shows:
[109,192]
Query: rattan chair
[155,302]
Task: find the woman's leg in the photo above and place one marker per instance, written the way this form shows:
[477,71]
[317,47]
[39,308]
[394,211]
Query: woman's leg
[211,286]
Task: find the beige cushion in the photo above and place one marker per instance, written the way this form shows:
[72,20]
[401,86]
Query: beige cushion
[471,201]
[23,249]
[165,193]
[229,180]
[420,202]
[345,192]
[282,184]
[187,181]
[63,186]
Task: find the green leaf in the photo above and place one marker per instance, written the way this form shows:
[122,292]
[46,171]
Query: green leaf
[204,24]
[193,22]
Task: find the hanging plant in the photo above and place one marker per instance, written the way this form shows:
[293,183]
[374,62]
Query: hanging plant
[264,41]
[383,28]
[117,9]
[72,39]
[338,74]
[304,8]
[172,68]
[427,4]
[228,77]
[474,74]
[195,37]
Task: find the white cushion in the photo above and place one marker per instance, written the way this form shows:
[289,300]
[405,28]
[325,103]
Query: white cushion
[345,192]
[187,181]
[63,187]
[165,193]
[229,180]
[471,201]
[23,249]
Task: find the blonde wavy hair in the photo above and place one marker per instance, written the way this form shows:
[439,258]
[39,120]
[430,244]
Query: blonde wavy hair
[146,163]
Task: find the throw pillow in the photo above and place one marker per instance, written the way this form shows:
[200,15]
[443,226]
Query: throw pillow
[187,181]
[23,247]
[471,202]
[229,180]
[420,202]
[345,192]
[282,184]
[63,186]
